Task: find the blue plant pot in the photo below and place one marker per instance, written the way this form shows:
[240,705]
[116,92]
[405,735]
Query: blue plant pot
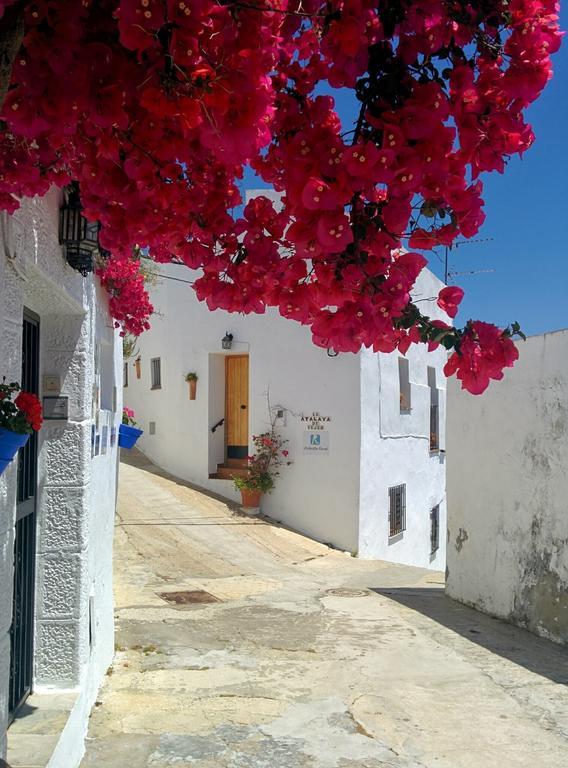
[10,443]
[127,436]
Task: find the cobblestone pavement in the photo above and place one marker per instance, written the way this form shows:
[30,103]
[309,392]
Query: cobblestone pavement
[305,656]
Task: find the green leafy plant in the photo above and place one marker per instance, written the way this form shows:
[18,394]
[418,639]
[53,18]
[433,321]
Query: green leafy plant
[128,417]
[129,346]
[191,376]
[264,464]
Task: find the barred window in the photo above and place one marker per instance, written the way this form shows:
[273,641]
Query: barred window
[125,374]
[156,372]
[397,509]
[434,529]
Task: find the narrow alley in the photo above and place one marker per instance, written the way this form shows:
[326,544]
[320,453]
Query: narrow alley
[241,644]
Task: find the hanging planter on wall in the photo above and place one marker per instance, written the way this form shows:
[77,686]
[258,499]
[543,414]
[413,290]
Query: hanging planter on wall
[128,433]
[10,443]
[18,418]
[137,364]
[191,379]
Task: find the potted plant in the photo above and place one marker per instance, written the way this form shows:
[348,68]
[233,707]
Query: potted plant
[20,415]
[128,433]
[137,367]
[191,379]
[262,469]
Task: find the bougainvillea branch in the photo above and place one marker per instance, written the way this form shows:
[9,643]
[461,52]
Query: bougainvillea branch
[156,107]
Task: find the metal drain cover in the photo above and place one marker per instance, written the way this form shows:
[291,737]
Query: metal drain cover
[347,592]
[189,597]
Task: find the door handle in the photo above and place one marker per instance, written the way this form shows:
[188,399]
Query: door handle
[243,407]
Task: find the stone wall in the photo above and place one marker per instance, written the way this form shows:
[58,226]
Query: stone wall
[508,491]
[76,490]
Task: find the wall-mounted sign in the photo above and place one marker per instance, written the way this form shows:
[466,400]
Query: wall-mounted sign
[52,384]
[316,421]
[55,408]
[316,441]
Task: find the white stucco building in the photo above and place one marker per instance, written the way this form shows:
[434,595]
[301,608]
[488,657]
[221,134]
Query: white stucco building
[508,491]
[376,467]
[57,506]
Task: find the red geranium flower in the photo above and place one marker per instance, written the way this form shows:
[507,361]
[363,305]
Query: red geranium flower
[31,407]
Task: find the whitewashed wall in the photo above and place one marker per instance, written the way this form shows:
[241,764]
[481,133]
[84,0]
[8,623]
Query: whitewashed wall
[340,497]
[508,491]
[317,494]
[76,492]
[395,448]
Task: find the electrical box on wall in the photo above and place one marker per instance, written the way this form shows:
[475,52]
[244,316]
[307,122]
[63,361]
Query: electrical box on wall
[279,416]
[55,408]
[51,384]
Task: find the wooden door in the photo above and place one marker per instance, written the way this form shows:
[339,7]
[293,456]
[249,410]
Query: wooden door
[236,405]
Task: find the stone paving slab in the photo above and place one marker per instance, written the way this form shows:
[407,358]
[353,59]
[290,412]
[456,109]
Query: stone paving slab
[310,659]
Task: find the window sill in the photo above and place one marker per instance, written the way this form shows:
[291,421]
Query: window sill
[396,538]
[151,388]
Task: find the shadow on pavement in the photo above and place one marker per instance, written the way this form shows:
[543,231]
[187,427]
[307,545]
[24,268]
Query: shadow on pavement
[534,653]
[135,458]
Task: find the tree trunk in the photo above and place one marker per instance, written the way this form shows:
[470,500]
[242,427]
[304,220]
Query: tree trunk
[11,37]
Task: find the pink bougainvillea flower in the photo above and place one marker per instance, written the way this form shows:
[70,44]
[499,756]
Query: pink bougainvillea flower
[449,299]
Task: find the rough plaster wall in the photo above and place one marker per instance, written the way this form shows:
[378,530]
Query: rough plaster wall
[75,501]
[508,491]
[395,449]
[318,494]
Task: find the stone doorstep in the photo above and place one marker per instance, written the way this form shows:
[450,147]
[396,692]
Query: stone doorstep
[35,733]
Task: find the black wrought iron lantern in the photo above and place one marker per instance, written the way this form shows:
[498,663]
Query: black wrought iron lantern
[79,237]
[227,341]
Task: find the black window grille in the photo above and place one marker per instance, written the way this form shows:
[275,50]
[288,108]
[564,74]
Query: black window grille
[125,375]
[434,428]
[434,529]
[156,372]
[397,509]
[23,608]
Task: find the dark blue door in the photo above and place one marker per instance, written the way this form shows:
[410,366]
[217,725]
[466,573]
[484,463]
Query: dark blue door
[22,631]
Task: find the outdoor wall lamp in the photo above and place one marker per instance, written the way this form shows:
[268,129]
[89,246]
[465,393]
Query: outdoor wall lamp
[79,236]
[227,341]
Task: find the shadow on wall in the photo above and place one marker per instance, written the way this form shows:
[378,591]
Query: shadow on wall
[542,657]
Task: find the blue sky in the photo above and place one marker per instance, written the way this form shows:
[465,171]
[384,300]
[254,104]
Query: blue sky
[526,229]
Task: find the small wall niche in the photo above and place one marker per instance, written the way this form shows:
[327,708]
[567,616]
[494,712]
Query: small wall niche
[404,385]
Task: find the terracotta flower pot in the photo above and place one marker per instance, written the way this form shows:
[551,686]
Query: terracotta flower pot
[137,367]
[192,388]
[250,498]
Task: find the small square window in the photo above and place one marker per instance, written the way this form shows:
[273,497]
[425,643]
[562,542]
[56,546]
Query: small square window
[156,373]
[397,509]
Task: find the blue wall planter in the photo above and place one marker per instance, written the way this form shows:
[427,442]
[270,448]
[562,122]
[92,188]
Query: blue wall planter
[10,443]
[127,436]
